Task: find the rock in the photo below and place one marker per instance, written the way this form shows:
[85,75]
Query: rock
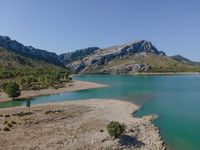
[130,130]
[129,68]
[101,130]
[150,117]
[77,55]
[103,140]
[94,59]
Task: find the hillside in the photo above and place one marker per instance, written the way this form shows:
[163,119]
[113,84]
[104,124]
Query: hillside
[130,58]
[28,51]
[185,60]
[9,59]
[29,73]
[13,65]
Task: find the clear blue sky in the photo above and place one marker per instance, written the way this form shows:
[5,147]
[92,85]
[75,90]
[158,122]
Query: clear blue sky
[65,25]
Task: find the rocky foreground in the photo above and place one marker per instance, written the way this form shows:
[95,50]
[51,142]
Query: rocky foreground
[76,125]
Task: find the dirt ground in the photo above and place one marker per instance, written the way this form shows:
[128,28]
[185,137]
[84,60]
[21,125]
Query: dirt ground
[76,125]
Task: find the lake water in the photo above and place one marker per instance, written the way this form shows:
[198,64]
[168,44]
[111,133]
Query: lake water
[175,98]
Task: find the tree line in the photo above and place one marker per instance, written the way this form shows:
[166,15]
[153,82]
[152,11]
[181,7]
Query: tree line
[35,78]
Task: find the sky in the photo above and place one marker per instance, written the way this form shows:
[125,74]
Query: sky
[66,25]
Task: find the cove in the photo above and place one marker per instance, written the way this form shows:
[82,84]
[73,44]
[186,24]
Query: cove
[175,98]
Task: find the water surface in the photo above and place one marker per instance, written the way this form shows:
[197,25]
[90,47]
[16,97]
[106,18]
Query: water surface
[175,98]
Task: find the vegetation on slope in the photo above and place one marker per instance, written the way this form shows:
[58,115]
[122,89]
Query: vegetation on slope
[29,74]
[157,63]
[29,51]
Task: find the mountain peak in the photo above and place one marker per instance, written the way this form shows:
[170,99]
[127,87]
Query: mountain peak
[142,46]
[5,37]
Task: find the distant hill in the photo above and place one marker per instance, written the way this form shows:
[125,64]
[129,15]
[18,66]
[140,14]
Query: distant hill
[17,61]
[130,58]
[185,60]
[28,51]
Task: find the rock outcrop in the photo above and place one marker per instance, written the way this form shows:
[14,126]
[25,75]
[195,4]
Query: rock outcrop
[130,58]
[77,55]
[94,59]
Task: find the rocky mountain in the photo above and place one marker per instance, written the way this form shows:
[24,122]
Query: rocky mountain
[77,55]
[130,58]
[133,57]
[28,51]
[9,60]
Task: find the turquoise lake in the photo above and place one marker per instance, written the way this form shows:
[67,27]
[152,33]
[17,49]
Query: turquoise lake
[175,98]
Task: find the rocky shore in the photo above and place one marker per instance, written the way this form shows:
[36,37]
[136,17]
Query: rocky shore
[77,125]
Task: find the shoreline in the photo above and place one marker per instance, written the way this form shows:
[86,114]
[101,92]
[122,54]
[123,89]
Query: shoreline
[75,85]
[86,119]
[146,73]
[168,73]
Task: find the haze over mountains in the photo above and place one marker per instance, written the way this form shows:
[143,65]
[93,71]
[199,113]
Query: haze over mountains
[139,56]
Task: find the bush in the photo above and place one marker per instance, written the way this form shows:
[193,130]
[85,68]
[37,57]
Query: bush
[12,89]
[6,129]
[115,129]
[9,125]
[13,122]
[7,115]
[5,122]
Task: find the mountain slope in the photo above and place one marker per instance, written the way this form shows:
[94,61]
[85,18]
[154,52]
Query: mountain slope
[140,56]
[13,66]
[9,59]
[185,60]
[28,51]
[77,55]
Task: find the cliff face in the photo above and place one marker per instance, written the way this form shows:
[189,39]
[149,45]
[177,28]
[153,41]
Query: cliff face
[98,59]
[77,55]
[130,58]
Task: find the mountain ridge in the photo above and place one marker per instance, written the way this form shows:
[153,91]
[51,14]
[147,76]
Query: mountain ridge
[138,55]
[132,57]
[28,51]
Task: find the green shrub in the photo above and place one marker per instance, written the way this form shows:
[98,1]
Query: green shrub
[6,129]
[9,125]
[5,122]
[115,129]
[13,122]
[7,115]
[12,89]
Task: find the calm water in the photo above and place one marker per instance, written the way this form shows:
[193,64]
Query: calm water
[175,98]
